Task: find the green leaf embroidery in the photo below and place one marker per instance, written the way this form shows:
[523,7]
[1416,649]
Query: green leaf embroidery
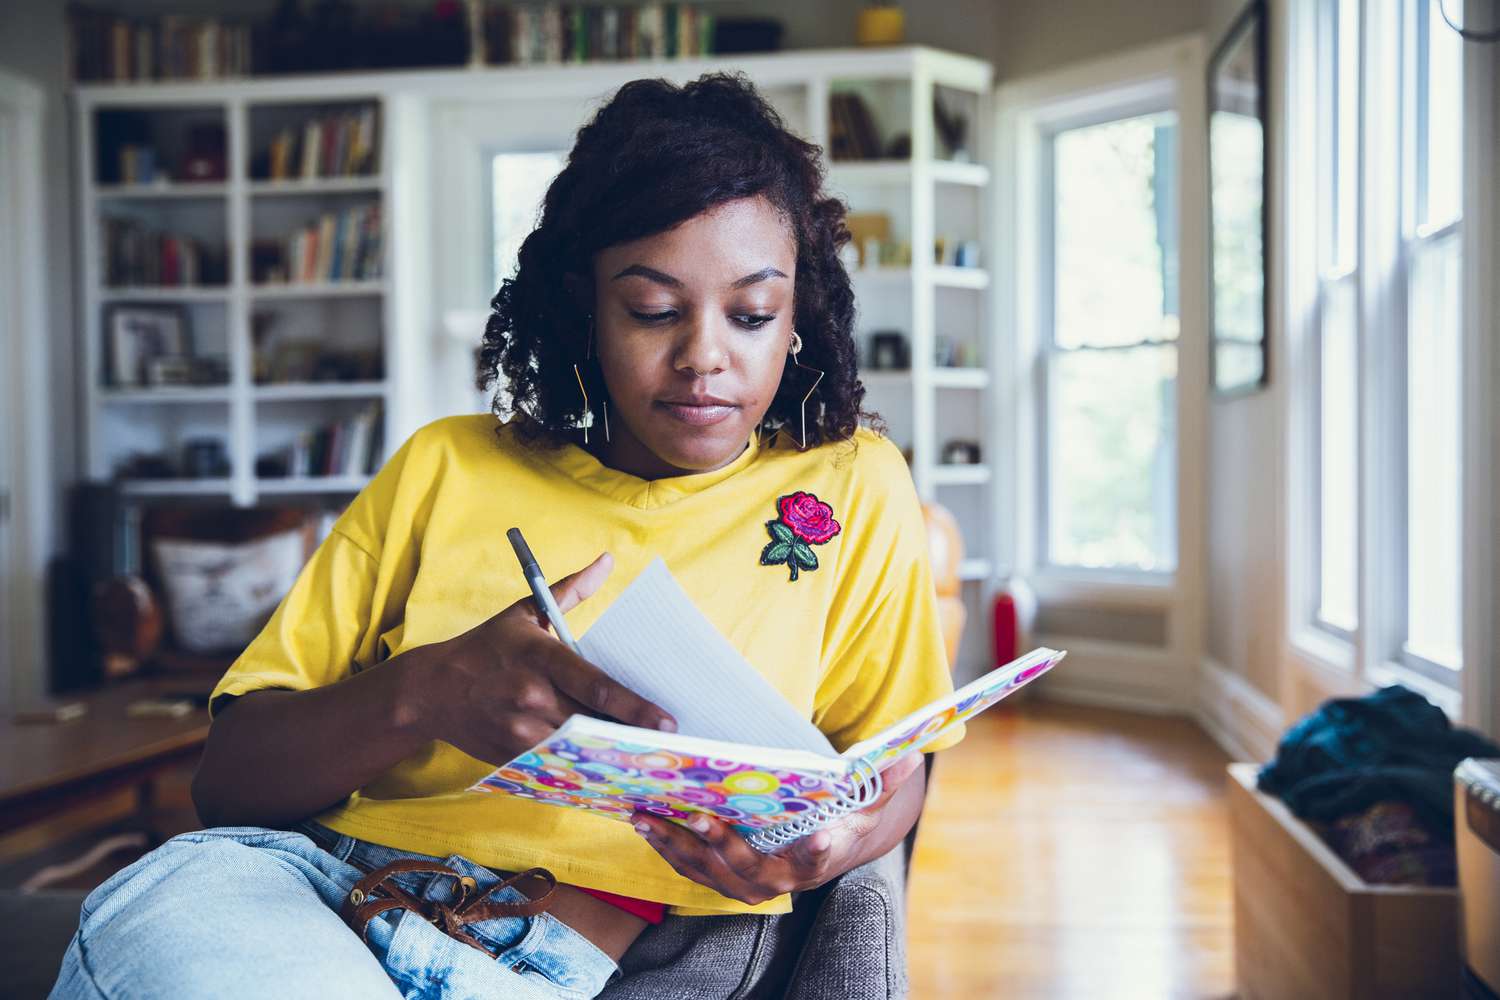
[776,552]
[780,532]
[804,555]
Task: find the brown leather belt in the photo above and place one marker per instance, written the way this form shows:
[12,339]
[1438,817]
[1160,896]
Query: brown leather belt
[375,893]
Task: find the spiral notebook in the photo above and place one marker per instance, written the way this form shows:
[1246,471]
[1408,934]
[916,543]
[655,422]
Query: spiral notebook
[741,752]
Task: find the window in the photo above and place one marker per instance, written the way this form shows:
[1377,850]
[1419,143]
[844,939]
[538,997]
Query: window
[1433,114]
[1110,356]
[1387,396]
[1338,322]
[518,183]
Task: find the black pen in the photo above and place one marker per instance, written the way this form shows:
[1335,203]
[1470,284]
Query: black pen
[539,588]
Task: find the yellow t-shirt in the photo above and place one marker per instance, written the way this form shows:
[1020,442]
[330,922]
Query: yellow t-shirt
[421,555]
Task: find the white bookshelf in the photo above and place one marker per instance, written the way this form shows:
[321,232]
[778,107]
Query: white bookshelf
[437,126]
[250,419]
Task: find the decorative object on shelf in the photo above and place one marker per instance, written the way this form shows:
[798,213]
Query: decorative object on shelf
[169,369]
[139,335]
[944,350]
[146,465]
[966,254]
[203,158]
[961,452]
[880,23]
[867,230]
[939,249]
[952,130]
[204,458]
[1238,195]
[283,358]
[138,165]
[888,351]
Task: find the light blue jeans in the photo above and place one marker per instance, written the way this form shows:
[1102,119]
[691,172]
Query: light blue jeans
[245,911]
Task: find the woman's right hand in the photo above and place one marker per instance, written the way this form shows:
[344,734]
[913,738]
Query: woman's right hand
[501,687]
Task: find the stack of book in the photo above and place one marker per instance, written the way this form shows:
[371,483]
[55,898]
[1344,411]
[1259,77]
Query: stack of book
[348,447]
[109,48]
[578,33]
[851,129]
[341,145]
[346,246]
[136,255]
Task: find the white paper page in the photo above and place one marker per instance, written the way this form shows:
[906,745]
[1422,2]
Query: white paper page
[656,642]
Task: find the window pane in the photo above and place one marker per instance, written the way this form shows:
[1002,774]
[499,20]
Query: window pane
[1433,556]
[518,183]
[1440,97]
[1338,520]
[1111,458]
[1115,243]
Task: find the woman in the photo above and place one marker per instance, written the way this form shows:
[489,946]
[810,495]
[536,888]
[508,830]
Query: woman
[677,347]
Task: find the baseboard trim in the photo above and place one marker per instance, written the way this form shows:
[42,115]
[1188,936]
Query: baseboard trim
[1239,717]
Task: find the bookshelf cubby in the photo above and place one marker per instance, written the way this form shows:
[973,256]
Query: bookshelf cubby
[274,360]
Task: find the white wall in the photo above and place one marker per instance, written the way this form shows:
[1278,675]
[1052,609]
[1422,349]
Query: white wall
[33,46]
[1244,625]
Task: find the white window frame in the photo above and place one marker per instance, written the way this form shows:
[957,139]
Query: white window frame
[1371,656]
[1169,75]
[1128,104]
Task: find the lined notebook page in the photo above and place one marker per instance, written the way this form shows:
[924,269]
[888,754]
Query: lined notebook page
[656,642]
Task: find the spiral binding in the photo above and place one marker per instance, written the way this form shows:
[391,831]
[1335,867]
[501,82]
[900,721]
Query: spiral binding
[867,787]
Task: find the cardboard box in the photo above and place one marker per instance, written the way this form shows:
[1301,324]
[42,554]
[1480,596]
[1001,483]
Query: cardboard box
[1306,926]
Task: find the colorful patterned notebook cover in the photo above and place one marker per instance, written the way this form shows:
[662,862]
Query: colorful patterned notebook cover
[613,769]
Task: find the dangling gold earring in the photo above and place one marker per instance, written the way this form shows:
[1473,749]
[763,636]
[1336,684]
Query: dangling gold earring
[796,348]
[588,414]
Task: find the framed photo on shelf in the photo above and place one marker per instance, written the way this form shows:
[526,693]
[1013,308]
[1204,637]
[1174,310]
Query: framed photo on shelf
[139,336]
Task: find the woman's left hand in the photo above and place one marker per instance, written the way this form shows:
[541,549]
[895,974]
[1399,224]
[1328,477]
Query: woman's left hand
[711,852]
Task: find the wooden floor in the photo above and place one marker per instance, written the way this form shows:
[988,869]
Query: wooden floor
[1073,852]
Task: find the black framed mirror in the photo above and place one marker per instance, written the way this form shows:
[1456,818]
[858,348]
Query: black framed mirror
[1238,180]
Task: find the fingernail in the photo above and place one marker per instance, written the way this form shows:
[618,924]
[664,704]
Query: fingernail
[699,823]
[642,828]
[667,726]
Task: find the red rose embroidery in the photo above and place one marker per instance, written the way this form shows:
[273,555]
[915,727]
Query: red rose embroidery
[805,521]
[809,518]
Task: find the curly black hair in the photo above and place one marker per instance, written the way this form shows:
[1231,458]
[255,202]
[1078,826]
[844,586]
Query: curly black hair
[654,156]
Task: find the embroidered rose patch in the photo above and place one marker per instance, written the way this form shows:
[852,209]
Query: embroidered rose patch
[804,521]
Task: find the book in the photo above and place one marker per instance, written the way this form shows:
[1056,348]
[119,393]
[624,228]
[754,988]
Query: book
[741,752]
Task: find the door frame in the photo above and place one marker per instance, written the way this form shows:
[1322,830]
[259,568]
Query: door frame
[25,394]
